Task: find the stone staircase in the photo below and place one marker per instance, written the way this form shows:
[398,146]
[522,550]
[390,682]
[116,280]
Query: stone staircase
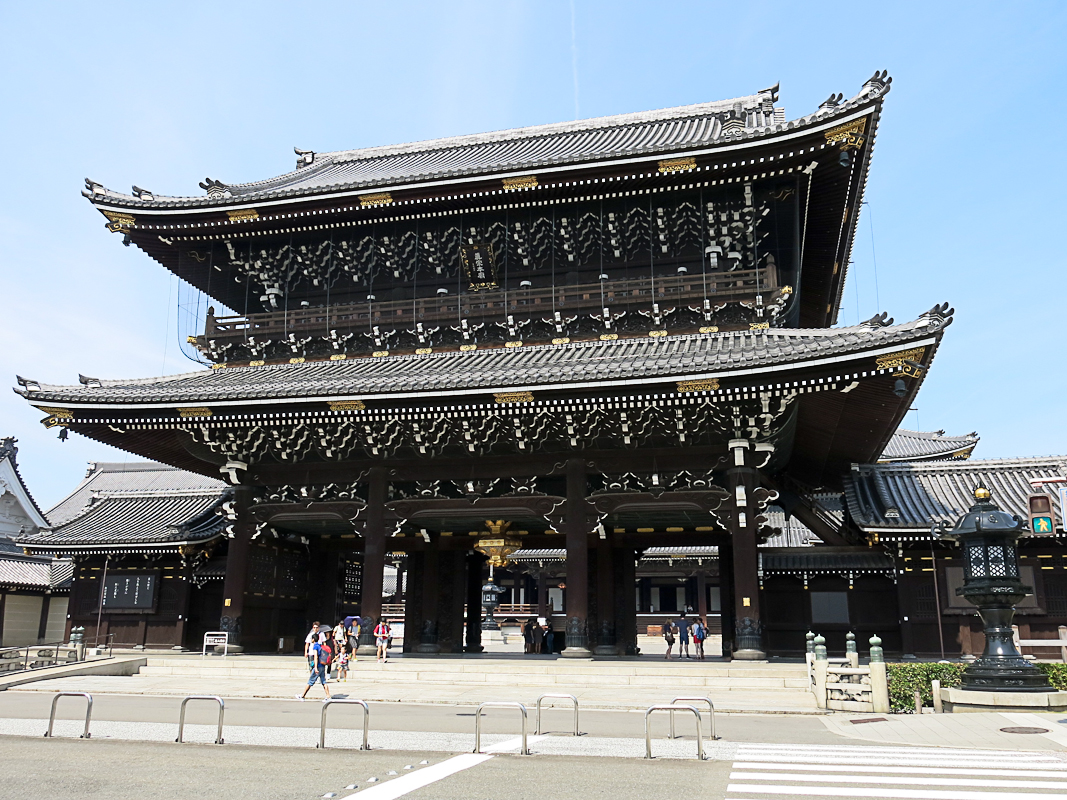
[685,675]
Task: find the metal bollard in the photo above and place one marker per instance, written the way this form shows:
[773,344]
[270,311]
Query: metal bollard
[525,751]
[570,697]
[711,711]
[88,712]
[366,720]
[222,710]
[672,708]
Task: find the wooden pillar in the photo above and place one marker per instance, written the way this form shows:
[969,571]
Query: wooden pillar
[743,482]
[625,601]
[413,606]
[606,635]
[577,600]
[726,596]
[702,595]
[431,597]
[473,641]
[370,606]
[542,594]
[235,582]
[42,625]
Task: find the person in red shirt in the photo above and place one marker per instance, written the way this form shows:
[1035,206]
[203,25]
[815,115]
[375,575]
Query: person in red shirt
[381,639]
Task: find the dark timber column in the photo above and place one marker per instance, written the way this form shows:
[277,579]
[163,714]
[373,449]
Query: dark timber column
[542,594]
[473,643]
[577,563]
[726,597]
[702,595]
[233,586]
[431,597]
[605,599]
[370,606]
[743,482]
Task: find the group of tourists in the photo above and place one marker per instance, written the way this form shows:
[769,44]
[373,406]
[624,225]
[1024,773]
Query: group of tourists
[682,629]
[330,650]
[538,637]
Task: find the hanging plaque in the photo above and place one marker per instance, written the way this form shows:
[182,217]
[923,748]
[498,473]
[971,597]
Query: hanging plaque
[479,266]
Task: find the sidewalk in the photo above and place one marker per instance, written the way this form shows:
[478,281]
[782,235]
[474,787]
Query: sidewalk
[973,730]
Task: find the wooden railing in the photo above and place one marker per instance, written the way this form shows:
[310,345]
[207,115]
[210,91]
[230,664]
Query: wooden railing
[496,305]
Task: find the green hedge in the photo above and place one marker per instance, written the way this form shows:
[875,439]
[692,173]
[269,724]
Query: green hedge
[904,679]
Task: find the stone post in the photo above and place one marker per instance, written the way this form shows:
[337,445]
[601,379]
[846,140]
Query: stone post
[370,607]
[820,667]
[851,653]
[879,679]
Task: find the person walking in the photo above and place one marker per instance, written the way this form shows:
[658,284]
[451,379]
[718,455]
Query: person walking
[340,636]
[381,639]
[668,637]
[342,665]
[317,669]
[328,649]
[311,638]
[682,625]
[527,635]
[700,632]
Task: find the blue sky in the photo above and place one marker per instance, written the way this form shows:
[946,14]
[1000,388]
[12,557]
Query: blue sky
[967,179]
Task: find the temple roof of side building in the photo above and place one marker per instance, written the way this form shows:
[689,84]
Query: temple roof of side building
[642,362]
[22,572]
[927,446]
[910,497]
[685,129]
[834,560]
[27,516]
[127,505]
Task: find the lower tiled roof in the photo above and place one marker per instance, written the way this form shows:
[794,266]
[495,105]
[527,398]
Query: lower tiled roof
[914,496]
[35,572]
[927,446]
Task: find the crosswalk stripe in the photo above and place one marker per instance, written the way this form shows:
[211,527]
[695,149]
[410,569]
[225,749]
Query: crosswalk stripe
[1048,771]
[933,780]
[902,794]
[811,750]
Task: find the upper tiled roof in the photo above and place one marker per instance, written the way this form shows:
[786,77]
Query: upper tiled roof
[11,481]
[135,504]
[913,496]
[927,446]
[640,361]
[671,130]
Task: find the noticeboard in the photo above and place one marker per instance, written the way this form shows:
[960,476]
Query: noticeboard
[479,266]
[131,592]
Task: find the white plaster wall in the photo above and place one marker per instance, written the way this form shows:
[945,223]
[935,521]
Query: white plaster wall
[57,619]
[22,620]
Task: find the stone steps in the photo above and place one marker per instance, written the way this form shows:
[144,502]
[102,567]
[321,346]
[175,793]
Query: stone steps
[770,678]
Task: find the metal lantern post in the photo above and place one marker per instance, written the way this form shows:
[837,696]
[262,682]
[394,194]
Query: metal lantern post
[490,602]
[988,538]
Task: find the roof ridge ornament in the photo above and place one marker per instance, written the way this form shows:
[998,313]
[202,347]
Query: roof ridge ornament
[938,317]
[215,188]
[882,320]
[878,81]
[304,158]
[833,101]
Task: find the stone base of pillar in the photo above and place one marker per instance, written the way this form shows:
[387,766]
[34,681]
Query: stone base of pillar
[576,652]
[428,648]
[749,655]
[606,650]
[473,648]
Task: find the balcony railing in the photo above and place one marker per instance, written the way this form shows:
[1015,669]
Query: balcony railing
[494,306]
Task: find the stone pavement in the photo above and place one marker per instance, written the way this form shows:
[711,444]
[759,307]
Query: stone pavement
[977,730]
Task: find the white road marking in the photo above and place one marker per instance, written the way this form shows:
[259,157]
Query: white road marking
[1047,771]
[902,794]
[416,780]
[933,780]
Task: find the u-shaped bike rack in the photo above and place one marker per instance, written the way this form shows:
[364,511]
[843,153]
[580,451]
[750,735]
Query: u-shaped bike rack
[672,708]
[88,711]
[366,720]
[570,697]
[711,710]
[222,710]
[525,751]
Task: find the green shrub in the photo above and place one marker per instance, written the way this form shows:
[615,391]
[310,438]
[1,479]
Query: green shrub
[1056,674]
[904,679]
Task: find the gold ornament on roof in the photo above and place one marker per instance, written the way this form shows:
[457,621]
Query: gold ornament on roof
[982,493]
[849,135]
[498,548]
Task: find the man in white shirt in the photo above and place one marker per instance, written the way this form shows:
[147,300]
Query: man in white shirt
[311,638]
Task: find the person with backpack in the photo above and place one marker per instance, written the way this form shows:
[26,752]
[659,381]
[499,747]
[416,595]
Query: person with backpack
[317,668]
[382,634]
[329,652]
[700,633]
[668,637]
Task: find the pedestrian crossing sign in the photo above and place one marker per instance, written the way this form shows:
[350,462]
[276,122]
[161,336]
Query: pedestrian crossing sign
[1042,520]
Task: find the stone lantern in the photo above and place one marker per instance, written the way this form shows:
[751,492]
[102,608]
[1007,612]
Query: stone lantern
[490,602]
[988,536]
